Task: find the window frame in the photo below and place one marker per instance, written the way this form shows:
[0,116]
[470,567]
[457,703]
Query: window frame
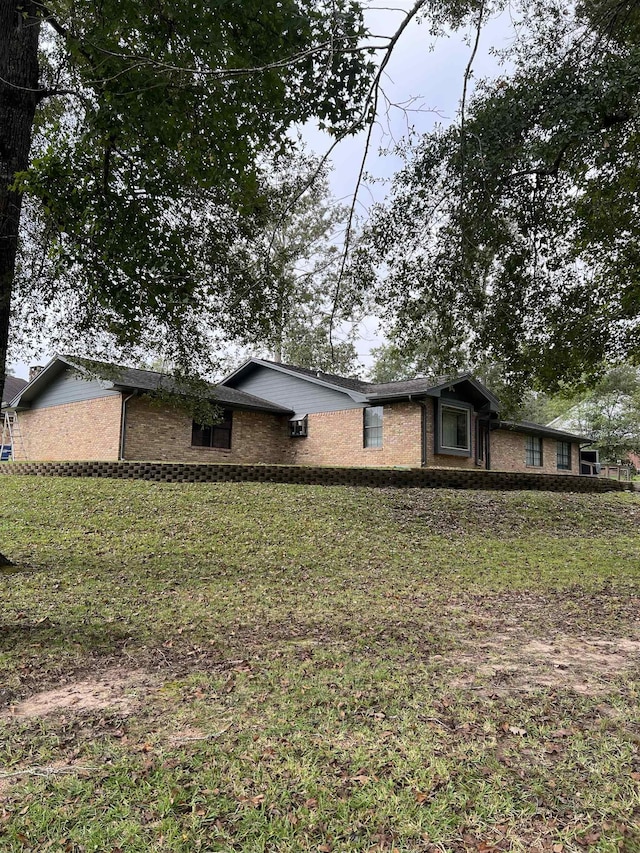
[530,453]
[560,446]
[442,449]
[368,430]
[224,427]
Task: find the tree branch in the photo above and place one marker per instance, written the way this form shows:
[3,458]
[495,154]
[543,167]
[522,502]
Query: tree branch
[371,105]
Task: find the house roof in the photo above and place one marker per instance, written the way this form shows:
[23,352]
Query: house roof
[350,382]
[12,386]
[122,378]
[354,388]
[432,386]
[362,391]
[543,431]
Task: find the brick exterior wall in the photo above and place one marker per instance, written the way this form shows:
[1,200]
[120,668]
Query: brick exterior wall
[372,477]
[508,453]
[441,460]
[163,433]
[91,430]
[336,438]
[86,430]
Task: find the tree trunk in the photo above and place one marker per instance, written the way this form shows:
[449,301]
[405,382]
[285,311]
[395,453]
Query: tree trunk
[19,95]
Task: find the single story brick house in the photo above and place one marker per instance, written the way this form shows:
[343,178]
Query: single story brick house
[280,414]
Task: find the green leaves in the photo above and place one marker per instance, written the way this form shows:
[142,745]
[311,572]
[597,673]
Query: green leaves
[519,233]
[142,188]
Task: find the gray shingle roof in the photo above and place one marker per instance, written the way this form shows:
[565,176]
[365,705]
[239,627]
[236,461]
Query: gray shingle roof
[409,386]
[539,429]
[12,386]
[348,382]
[152,380]
[352,383]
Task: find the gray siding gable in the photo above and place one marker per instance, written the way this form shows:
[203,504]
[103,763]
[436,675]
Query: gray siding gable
[71,387]
[294,392]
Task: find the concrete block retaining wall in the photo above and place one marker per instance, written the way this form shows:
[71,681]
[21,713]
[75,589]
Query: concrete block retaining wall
[168,472]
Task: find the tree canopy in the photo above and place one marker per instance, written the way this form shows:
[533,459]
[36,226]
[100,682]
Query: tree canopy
[297,258]
[149,124]
[609,412]
[513,234]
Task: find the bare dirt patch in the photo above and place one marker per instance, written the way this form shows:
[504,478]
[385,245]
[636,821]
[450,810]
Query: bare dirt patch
[508,662]
[116,689]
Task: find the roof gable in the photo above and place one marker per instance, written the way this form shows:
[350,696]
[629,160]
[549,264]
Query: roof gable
[361,392]
[118,378]
[354,388]
[465,387]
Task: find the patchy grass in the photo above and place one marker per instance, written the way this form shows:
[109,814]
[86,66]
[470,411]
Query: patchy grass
[244,667]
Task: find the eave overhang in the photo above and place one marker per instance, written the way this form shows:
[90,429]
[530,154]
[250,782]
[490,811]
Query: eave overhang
[541,431]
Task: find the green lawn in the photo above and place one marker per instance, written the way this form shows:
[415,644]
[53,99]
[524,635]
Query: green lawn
[249,667]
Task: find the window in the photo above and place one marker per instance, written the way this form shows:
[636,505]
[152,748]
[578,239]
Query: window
[564,455]
[373,426]
[454,428]
[534,451]
[218,435]
[299,427]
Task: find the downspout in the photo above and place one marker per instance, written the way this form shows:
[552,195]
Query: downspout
[423,431]
[494,423]
[123,422]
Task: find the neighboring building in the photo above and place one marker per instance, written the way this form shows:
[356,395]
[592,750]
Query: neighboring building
[12,387]
[275,413]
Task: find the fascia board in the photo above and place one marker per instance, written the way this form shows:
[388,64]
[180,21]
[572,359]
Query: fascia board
[226,379]
[397,398]
[543,431]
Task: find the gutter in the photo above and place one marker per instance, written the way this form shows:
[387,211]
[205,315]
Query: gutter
[123,422]
[410,397]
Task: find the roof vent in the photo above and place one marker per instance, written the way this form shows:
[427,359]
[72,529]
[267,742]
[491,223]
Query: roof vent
[34,370]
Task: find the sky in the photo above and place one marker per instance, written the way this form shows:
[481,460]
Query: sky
[433,75]
[428,77]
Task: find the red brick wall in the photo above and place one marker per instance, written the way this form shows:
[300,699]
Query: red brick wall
[86,430]
[163,433]
[508,453]
[336,438]
[91,430]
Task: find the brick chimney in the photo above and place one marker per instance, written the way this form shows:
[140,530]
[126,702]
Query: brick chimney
[34,370]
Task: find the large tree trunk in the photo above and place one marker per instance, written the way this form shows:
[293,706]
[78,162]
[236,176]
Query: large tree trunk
[19,95]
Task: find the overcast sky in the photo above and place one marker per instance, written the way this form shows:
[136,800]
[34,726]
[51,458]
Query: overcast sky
[431,74]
